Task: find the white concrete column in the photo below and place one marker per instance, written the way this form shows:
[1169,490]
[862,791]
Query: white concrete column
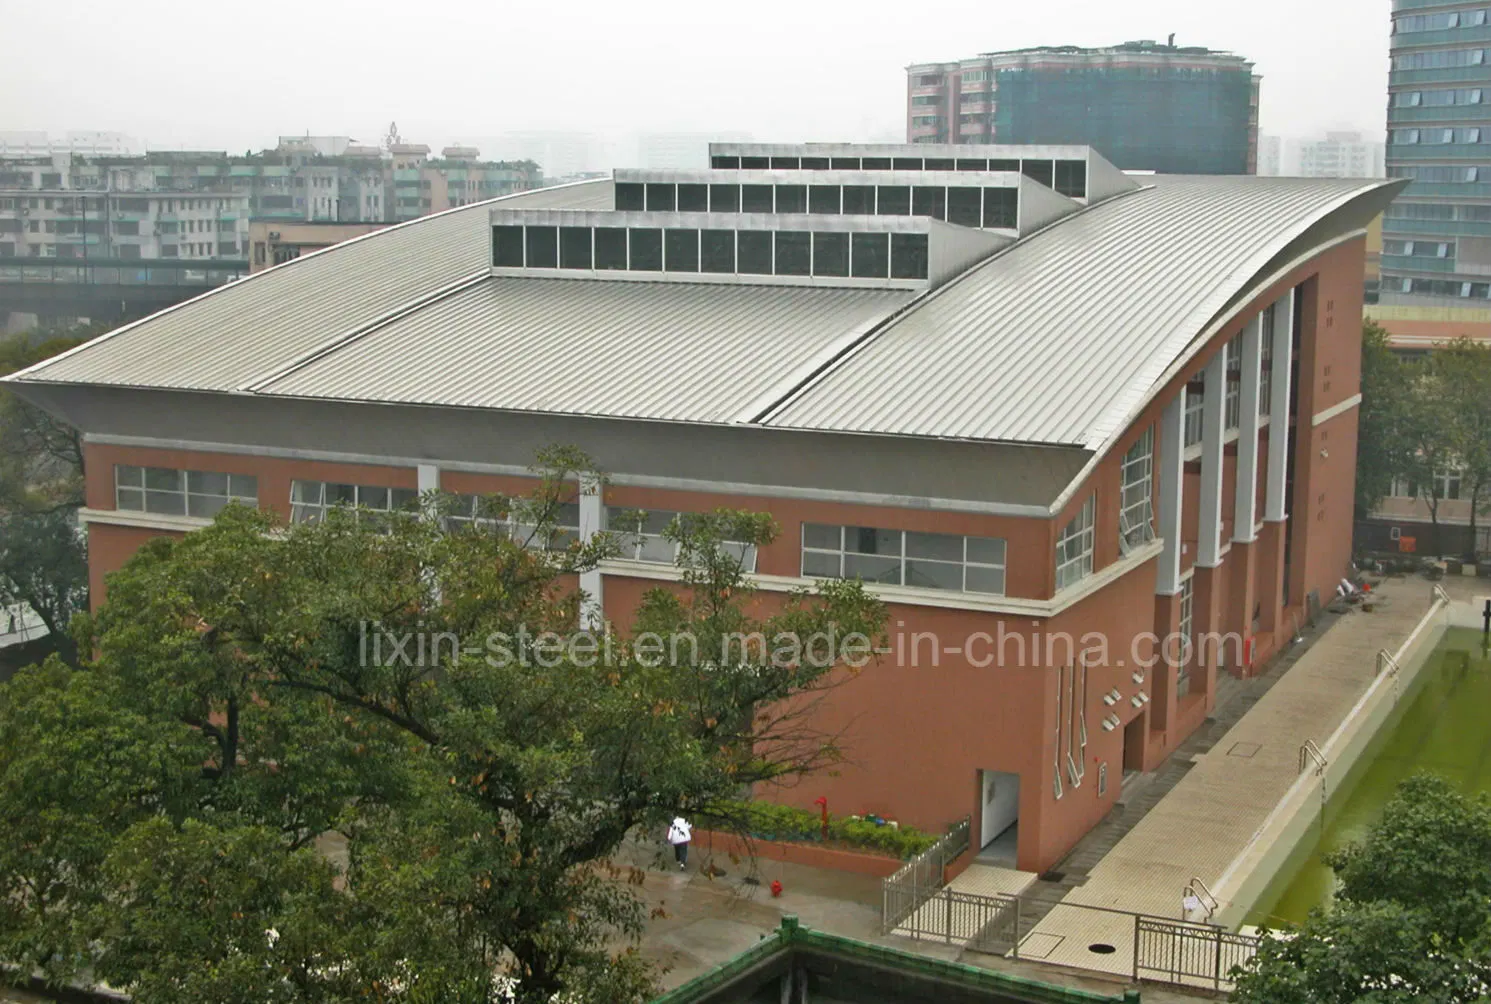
[1278,410]
[1245,511]
[1213,420]
[1170,480]
[429,481]
[592,522]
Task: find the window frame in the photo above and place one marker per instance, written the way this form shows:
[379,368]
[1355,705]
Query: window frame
[184,491]
[1136,515]
[905,560]
[1076,546]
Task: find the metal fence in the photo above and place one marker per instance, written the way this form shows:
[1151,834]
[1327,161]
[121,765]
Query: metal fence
[919,879]
[980,922]
[1187,954]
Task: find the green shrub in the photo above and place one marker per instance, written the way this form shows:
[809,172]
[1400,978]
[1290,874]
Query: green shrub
[769,821]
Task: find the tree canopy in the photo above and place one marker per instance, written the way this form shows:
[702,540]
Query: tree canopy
[406,712]
[1411,919]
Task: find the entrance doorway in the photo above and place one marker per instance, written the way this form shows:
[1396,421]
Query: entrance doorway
[1000,817]
[1133,744]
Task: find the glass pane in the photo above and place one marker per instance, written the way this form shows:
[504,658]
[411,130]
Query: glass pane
[204,506]
[823,199]
[908,256]
[831,254]
[647,250]
[305,491]
[373,497]
[206,483]
[929,201]
[907,163]
[543,246]
[1001,207]
[984,580]
[661,198]
[404,499]
[305,514]
[845,163]
[986,550]
[244,486]
[341,494]
[871,256]
[166,503]
[934,574]
[717,251]
[938,546]
[1037,170]
[893,200]
[657,549]
[824,566]
[755,252]
[875,163]
[792,198]
[819,535]
[815,163]
[756,199]
[743,553]
[693,198]
[657,520]
[859,200]
[507,246]
[629,197]
[130,498]
[682,250]
[610,248]
[868,540]
[755,163]
[131,477]
[574,247]
[163,479]
[872,569]
[794,253]
[724,198]
[964,206]
[567,514]
[938,164]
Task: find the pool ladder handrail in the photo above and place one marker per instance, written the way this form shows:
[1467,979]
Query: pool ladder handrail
[1311,752]
[1197,889]
[1439,595]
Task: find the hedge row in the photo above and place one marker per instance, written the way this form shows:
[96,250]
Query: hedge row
[768,821]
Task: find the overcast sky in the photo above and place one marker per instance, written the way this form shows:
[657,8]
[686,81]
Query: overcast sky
[214,75]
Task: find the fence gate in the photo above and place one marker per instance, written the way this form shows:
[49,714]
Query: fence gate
[1188,954]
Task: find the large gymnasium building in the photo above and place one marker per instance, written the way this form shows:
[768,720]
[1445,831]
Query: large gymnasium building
[1018,391]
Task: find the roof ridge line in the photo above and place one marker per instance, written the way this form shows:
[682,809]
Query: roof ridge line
[346,338]
[859,344]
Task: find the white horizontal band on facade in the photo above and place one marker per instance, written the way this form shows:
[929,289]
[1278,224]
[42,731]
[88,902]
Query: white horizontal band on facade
[142,520]
[1322,417]
[620,480]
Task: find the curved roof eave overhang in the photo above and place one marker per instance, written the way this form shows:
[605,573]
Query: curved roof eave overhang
[1346,219]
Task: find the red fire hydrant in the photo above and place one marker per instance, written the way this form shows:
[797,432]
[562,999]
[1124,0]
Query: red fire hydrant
[776,888]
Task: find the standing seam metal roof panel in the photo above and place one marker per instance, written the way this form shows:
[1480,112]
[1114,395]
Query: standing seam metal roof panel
[1052,340]
[225,339]
[668,351]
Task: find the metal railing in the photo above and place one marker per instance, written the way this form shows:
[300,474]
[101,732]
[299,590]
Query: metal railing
[981,922]
[919,879]
[1205,901]
[1187,954]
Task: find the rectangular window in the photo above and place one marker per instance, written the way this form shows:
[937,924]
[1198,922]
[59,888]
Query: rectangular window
[629,197]
[1075,546]
[717,251]
[507,247]
[754,252]
[871,256]
[661,198]
[756,199]
[929,201]
[904,558]
[168,492]
[963,206]
[831,254]
[1195,399]
[1038,170]
[646,247]
[859,200]
[815,163]
[1001,207]
[1447,485]
[574,247]
[610,249]
[1234,383]
[310,501]
[1136,505]
[1266,369]
[908,256]
[724,198]
[1071,178]
[639,534]
[794,253]
[542,244]
[893,200]
[693,198]
[823,199]
[682,250]
[791,198]
[1182,652]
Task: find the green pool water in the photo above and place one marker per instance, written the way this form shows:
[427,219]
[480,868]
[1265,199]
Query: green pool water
[1441,725]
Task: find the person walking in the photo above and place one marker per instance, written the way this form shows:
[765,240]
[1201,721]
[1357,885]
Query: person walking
[679,835]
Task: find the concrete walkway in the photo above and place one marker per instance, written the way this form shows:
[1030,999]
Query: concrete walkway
[1200,827]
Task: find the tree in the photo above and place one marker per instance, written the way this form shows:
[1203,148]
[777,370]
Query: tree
[41,458]
[421,691]
[1461,372]
[1384,443]
[44,565]
[1411,918]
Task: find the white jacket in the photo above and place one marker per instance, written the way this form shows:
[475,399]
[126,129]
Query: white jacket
[680,832]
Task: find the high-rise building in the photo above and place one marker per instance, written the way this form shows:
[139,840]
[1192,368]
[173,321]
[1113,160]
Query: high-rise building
[1270,156]
[1341,155]
[1143,105]
[1437,237]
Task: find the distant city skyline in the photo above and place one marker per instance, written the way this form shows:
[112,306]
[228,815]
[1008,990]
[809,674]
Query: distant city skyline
[486,70]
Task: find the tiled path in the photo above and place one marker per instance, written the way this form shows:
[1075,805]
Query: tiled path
[1199,827]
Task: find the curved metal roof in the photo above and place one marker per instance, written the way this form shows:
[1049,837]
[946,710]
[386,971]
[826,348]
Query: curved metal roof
[240,332]
[1061,336]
